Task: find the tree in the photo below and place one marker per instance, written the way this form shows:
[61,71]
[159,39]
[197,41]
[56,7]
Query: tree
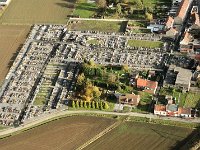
[119,9]
[112,78]
[73,104]
[77,104]
[125,1]
[148,16]
[80,79]
[97,105]
[96,92]
[125,67]
[85,104]
[101,4]
[106,106]
[89,105]
[93,104]
[81,104]
[101,105]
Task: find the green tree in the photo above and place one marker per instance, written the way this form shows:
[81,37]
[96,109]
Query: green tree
[85,104]
[101,105]
[89,105]
[101,4]
[73,104]
[112,78]
[97,105]
[148,16]
[106,106]
[81,104]
[93,104]
[80,79]
[125,67]
[77,104]
[119,9]
[96,92]
[125,1]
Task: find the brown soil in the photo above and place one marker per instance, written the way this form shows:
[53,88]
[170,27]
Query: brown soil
[64,134]
[11,39]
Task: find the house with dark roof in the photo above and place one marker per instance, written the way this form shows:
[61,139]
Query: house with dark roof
[172,110]
[129,99]
[147,85]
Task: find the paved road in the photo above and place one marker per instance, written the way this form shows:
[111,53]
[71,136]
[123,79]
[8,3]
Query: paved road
[46,117]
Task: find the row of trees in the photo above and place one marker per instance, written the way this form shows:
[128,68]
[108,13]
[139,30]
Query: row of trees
[94,104]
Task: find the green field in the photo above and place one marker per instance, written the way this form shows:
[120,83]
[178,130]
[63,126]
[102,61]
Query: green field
[142,43]
[85,10]
[103,26]
[141,136]
[38,11]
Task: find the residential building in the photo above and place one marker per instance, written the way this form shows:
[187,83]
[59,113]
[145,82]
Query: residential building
[185,44]
[129,99]
[160,110]
[183,79]
[170,22]
[147,85]
[182,11]
[172,110]
[185,112]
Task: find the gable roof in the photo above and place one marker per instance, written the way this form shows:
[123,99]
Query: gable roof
[159,107]
[147,83]
[182,110]
[183,9]
[186,39]
[169,22]
[130,99]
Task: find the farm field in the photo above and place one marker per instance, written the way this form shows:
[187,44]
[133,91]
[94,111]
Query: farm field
[42,11]
[102,26]
[62,134]
[142,136]
[11,39]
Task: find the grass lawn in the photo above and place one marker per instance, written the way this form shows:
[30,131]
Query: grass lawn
[192,100]
[142,43]
[103,26]
[38,11]
[85,10]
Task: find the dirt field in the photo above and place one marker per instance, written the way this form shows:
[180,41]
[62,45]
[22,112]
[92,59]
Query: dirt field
[64,134]
[11,38]
[140,136]
[37,11]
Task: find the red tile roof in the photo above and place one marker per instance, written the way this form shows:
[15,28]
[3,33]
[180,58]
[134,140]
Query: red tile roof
[183,9]
[147,83]
[159,107]
[186,39]
[169,22]
[182,110]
